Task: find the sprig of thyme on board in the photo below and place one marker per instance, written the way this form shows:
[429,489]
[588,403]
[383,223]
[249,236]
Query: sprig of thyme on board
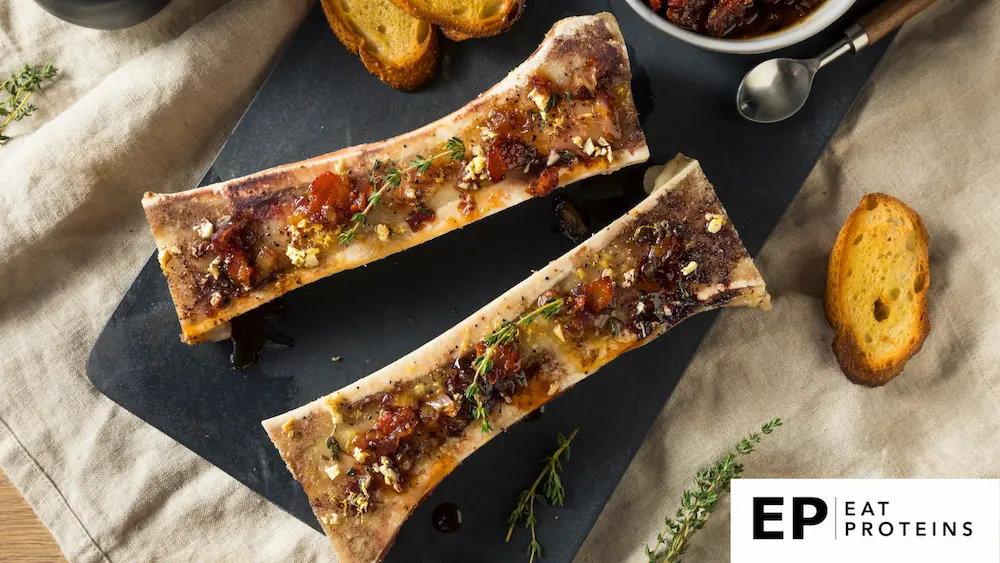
[454,148]
[698,505]
[19,87]
[553,492]
[504,334]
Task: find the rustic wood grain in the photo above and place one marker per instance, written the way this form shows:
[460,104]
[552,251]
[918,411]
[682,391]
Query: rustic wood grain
[889,15]
[23,538]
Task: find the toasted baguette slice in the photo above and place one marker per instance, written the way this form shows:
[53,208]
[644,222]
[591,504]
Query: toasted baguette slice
[876,290]
[396,47]
[465,19]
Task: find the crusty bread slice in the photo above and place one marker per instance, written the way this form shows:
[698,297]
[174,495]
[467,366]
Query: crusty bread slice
[465,19]
[396,47]
[876,290]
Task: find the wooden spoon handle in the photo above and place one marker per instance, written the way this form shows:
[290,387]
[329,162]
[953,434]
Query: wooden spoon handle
[889,15]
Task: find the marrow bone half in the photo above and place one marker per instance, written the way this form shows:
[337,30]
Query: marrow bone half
[563,115]
[367,454]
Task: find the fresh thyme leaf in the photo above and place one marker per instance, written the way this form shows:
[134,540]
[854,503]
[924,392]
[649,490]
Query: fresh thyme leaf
[19,88]
[552,491]
[421,164]
[505,334]
[393,177]
[455,148]
[334,446]
[697,505]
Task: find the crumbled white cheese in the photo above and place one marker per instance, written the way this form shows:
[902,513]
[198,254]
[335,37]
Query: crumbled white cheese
[667,311]
[588,147]
[167,254]
[382,232]
[410,193]
[389,474]
[690,268]
[217,299]
[628,278]
[303,258]
[205,229]
[360,455]
[487,133]
[578,141]
[542,101]
[640,308]
[213,268]
[559,332]
[609,154]
[553,158]
[603,142]
[289,427]
[608,273]
[332,471]
[475,169]
[715,222]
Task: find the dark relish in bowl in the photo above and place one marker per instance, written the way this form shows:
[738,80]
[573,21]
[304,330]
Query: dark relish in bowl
[734,19]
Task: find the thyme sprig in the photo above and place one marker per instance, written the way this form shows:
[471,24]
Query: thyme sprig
[504,334]
[454,148]
[19,87]
[698,505]
[553,492]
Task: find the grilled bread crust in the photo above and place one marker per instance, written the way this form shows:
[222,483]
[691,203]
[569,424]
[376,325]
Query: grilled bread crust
[397,48]
[876,290]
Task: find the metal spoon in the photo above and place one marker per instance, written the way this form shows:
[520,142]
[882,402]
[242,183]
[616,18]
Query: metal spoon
[774,90]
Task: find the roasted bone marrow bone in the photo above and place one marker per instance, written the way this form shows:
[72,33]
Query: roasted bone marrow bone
[367,454]
[563,115]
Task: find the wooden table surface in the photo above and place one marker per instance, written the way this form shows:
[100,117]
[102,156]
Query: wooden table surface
[22,537]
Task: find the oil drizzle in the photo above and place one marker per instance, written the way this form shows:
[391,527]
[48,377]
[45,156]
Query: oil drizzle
[447,518]
[251,334]
[535,414]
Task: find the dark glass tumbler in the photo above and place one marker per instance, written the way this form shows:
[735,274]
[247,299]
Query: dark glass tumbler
[103,14]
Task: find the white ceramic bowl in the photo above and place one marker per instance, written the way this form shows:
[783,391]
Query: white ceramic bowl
[819,20]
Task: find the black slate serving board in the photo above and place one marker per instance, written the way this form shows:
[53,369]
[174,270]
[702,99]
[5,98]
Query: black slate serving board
[319,99]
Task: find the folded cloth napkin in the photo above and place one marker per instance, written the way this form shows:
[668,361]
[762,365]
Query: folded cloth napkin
[147,108]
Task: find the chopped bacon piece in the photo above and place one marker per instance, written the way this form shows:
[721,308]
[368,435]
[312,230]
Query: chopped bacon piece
[327,201]
[726,15]
[688,13]
[506,361]
[599,294]
[506,153]
[419,217]
[547,181]
[466,204]
[394,423]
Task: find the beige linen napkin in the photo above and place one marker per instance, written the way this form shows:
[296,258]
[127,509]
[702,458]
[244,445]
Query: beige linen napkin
[146,108]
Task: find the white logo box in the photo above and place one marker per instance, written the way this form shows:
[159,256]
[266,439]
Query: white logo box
[867,520]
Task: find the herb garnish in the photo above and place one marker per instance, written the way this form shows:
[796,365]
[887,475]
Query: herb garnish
[393,177]
[696,506]
[504,334]
[19,87]
[334,446]
[552,490]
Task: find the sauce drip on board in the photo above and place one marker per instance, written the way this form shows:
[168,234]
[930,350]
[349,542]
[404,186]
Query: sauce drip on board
[535,414]
[447,518]
[251,334]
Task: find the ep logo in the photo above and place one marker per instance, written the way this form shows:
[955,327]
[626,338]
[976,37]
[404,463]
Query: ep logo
[806,511]
[865,520]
